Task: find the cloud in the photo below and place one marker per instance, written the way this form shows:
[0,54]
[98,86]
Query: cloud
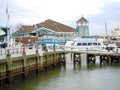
[64,11]
[61,10]
[110,15]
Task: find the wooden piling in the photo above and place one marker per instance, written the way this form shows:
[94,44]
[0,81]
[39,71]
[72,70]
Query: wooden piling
[91,58]
[104,59]
[63,58]
[38,62]
[115,59]
[9,68]
[25,72]
[77,58]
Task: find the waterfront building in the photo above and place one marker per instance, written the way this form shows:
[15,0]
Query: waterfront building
[24,34]
[82,27]
[115,36]
[116,32]
[46,31]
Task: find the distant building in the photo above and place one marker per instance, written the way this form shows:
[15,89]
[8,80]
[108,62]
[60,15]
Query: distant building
[116,32]
[45,32]
[82,27]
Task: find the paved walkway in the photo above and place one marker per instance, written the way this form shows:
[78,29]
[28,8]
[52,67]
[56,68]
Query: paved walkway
[17,52]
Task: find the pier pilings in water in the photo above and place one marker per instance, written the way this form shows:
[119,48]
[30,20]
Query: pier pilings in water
[104,59]
[108,58]
[115,59]
[62,58]
[91,58]
[76,58]
[16,68]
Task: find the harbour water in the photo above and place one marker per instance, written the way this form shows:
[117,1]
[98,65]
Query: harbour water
[73,77]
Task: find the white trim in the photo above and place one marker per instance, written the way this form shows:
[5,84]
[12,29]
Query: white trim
[42,29]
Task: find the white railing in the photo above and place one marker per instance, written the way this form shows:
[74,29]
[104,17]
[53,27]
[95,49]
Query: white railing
[29,50]
[10,51]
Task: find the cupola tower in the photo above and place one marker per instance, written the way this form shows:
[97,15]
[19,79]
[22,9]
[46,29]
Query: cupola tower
[82,27]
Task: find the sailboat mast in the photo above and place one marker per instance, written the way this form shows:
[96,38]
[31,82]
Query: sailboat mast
[106,30]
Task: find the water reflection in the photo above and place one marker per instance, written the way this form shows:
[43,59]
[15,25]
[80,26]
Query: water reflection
[77,66]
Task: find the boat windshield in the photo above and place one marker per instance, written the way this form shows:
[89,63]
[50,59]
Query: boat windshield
[88,44]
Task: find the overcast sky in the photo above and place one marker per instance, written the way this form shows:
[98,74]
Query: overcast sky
[97,12]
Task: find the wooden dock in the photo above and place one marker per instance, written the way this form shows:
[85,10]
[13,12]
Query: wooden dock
[108,57]
[16,67]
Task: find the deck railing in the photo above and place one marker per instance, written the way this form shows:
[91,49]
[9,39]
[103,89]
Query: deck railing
[10,51]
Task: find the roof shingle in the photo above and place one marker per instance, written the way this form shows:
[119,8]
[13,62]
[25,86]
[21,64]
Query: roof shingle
[57,27]
[50,24]
[25,29]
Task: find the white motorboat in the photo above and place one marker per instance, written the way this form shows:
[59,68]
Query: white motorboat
[85,44]
[112,47]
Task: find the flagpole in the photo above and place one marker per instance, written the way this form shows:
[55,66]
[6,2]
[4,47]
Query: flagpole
[8,33]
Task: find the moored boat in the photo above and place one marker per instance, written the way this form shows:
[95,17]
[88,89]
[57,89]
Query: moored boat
[85,44]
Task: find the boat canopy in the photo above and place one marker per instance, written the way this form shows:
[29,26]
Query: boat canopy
[50,42]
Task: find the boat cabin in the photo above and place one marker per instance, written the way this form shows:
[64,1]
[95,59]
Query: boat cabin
[88,44]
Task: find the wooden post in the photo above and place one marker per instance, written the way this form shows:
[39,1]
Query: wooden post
[63,60]
[108,59]
[94,59]
[101,60]
[91,58]
[25,65]
[38,64]
[54,48]
[77,58]
[88,57]
[41,62]
[74,58]
[53,60]
[104,58]
[9,68]
[45,61]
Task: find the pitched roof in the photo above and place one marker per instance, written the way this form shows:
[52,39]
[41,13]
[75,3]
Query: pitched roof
[82,20]
[57,27]
[25,29]
[50,24]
